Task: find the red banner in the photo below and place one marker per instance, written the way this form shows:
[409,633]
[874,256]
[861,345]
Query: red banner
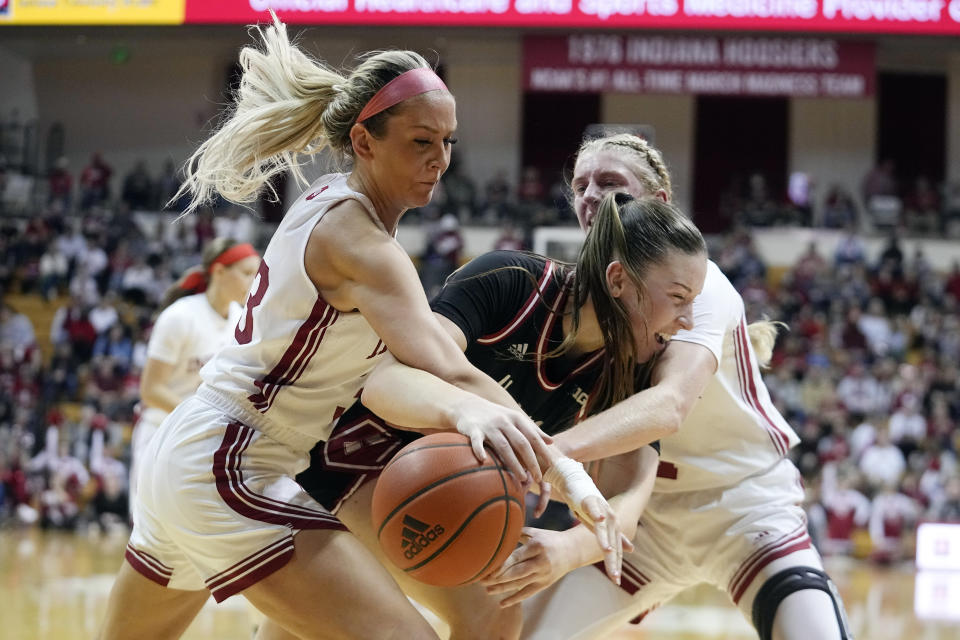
[732,65]
[864,16]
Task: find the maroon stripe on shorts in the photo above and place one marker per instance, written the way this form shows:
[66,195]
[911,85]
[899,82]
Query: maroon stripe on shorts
[631,581]
[759,551]
[148,566]
[251,570]
[229,479]
[799,545]
[643,615]
[630,578]
[749,570]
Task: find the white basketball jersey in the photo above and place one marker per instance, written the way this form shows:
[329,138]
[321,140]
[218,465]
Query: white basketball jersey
[733,431]
[295,363]
[186,335]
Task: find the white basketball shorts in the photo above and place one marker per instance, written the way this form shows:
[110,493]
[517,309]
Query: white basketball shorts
[218,506]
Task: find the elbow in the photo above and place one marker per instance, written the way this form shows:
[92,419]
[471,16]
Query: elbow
[674,414]
[672,423]
[676,403]
[463,375]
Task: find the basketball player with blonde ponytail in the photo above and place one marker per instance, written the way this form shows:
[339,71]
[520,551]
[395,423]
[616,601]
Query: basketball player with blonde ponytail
[219,511]
[725,506]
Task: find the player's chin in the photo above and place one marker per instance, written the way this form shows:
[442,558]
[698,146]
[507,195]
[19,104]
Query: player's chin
[421,195]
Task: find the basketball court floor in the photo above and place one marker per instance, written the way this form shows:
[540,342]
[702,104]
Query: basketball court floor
[54,586]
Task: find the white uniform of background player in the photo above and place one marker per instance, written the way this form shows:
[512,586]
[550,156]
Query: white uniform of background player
[185,336]
[725,508]
[261,425]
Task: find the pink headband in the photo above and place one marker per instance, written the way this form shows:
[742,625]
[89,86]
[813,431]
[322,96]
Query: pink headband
[406,85]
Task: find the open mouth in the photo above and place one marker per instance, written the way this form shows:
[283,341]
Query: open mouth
[663,338]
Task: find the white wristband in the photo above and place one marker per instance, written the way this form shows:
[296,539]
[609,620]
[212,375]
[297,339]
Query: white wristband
[573,481]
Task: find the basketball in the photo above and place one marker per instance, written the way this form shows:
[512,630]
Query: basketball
[443,517]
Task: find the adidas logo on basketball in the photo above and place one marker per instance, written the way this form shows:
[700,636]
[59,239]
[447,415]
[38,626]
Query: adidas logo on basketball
[417,536]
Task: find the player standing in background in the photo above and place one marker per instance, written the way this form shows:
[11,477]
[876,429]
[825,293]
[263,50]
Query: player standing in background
[726,507]
[199,313]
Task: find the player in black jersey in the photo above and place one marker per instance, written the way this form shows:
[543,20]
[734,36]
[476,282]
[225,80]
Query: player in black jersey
[566,341]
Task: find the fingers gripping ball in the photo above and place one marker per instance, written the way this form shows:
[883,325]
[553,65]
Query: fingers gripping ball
[443,517]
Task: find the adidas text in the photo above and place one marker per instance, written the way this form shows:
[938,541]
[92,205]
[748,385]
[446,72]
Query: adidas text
[417,536]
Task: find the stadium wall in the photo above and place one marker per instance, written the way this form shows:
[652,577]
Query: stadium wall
[155,105]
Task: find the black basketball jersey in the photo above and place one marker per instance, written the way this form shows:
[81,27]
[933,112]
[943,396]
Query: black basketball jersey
[510,307]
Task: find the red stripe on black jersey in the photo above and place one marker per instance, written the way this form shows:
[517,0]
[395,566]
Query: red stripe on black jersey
[525,310]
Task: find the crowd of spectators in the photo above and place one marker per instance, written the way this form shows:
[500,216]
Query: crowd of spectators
[99,273]
[867,375]
[866,371]
[884,202]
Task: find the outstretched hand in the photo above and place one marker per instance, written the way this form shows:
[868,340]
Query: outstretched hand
[597,514]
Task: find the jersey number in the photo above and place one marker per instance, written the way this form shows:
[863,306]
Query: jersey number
[244,331]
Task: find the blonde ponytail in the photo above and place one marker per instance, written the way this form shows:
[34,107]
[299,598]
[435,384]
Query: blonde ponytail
[288,106]
[275,118]
[763,336]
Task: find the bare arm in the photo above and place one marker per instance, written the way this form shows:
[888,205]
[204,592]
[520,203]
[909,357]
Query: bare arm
[414,399]
[679,379]
[154,391]
[355,266]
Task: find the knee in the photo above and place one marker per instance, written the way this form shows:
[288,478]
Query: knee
[785,605]
[807,614]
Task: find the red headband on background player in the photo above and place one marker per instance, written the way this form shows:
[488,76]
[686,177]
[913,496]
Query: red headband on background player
[196,280]
[406,85]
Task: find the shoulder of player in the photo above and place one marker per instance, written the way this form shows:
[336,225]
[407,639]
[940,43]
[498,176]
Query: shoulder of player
[346,245]
[505,263]
[718,292]
[347,233]
[716,280]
